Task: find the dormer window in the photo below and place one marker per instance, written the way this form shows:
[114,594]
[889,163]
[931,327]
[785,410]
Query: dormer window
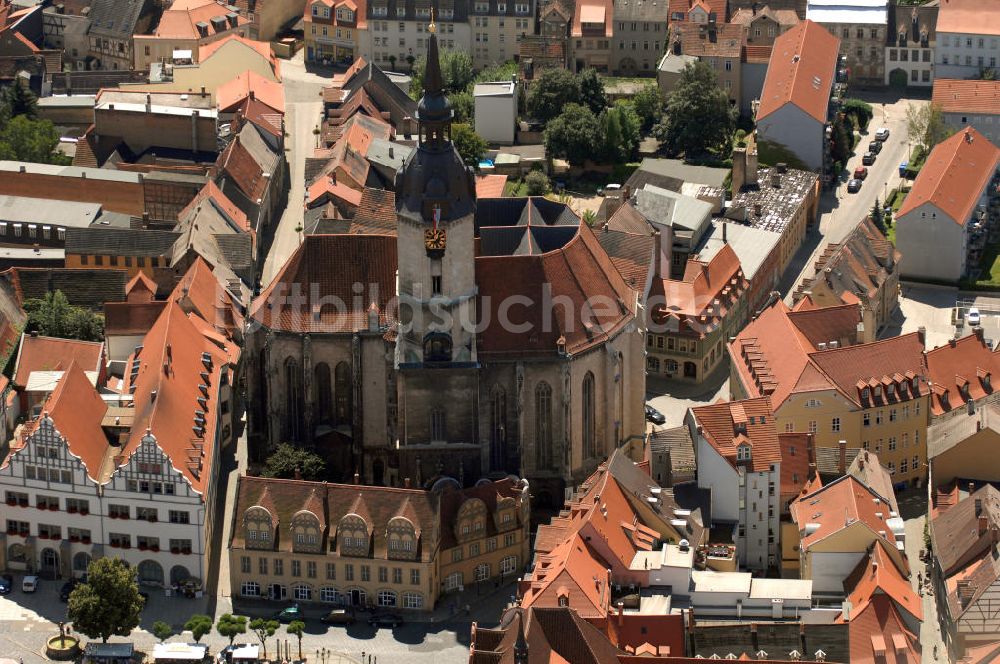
[892,391]
[986,382]
[965,391]
[878,392]
[866,394]
[315,10]
[915,386]
[743,453]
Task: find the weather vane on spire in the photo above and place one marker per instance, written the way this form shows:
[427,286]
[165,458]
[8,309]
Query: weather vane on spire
[432,28]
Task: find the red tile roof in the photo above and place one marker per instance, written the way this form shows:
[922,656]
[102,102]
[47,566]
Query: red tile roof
[571,571]
[700,300]
[579,272]
[490,186]
[199,291]
[263,116]
[964,362]
[972,17]
[795,459]
[222,203]
[697,39]
[771,354]
[332,265]
[877,575]
[726,425]
[961,96]
[53,354]
[166,391]
[718,7]
[77,410]
[803,64]
[878,634]
[231,94]
[141,288]
[131,318]
[896,360]
[954,176]
[839,505]
[376,213]
[180,19]
[240,165]
[325,188]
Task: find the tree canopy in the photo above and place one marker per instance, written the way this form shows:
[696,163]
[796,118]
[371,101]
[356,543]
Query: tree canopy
[109,603]
[573,135]
[554,89]
[264,629]
[162,630]
[537,183]
[925,126]
[470,145]
[699,117]
[54,316]
[23,137]
[231,626]
[621,128]
[648,103]
[288,458]
[199,625]
[456,72]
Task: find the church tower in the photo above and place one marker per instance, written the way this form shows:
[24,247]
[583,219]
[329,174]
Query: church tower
[436,346]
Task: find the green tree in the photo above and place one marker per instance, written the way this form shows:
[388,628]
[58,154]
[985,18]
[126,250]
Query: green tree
[925,126]
[470,145]
[648,103]
[699,117]
[504,71]
[611,131]
[574,135]
[861,111]
[554,89]
[231,626]
[287,459]
[464,106]
[297,628]
[20,100]
[392,62]
[843,141]
[877,216]
[264,629]
[592,91]
[109,603]
[537,183]
[54,316]
[24,139]
[199,625]
[456,73]
[162,630]
[627,126]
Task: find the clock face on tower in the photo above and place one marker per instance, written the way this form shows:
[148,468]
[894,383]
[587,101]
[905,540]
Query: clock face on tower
[435,239]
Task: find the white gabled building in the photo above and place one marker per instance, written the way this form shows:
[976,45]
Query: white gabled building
[133,476]
[738,458]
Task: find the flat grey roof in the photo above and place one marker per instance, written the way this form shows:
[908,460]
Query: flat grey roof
[721,582]
[67,101]
[676,168]
[29,253]
[493,89]
[673,64]
[751,245]
[42,211]
[106,175]
[781,588]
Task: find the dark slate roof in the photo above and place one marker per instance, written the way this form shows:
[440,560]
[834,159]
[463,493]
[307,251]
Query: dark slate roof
[119,241]
[82,287]
[374,75]
[115,18]
[235,249]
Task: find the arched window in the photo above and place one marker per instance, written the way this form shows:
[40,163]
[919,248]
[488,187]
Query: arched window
[589,417]
[324,392]
[543,426]
[250,589]
[302,592]
[437,347]
[498,427]
[328,594]
[293,399]
[386,598]
[344,392]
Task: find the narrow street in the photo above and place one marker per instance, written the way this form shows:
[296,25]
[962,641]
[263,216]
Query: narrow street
[841,211]
[303,107]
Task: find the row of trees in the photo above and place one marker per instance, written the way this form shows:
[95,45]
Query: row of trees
[109,604]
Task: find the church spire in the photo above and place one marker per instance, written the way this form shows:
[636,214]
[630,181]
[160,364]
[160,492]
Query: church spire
[434,110]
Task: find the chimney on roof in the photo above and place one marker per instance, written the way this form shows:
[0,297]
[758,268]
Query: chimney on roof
[391,151]
[922,335]
[775,178]
[203,92]
[972,488]
[979,506]
[406,482]
[253,95]
[194,131]
[22,169]
[739,173]
[725,240]
[978,331]
[149,103]
[621,614]
[357,478]
[984,525]
[677,46]
[968,136]
[298,473]
[842,463]
[657,256]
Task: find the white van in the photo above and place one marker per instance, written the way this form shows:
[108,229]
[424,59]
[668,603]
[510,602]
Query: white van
[29,584]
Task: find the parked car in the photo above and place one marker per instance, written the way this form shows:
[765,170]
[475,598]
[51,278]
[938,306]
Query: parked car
[289,614]
[860,173]
[973,318]
[875,146]
[344,616]
[67,589]
[882,134]
[608,189]
[853,186]
[6,584]
[392,620]
[29,584]
[654,416]
[868,159]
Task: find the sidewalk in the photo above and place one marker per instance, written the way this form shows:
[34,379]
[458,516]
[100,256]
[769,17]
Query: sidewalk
[484,606]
